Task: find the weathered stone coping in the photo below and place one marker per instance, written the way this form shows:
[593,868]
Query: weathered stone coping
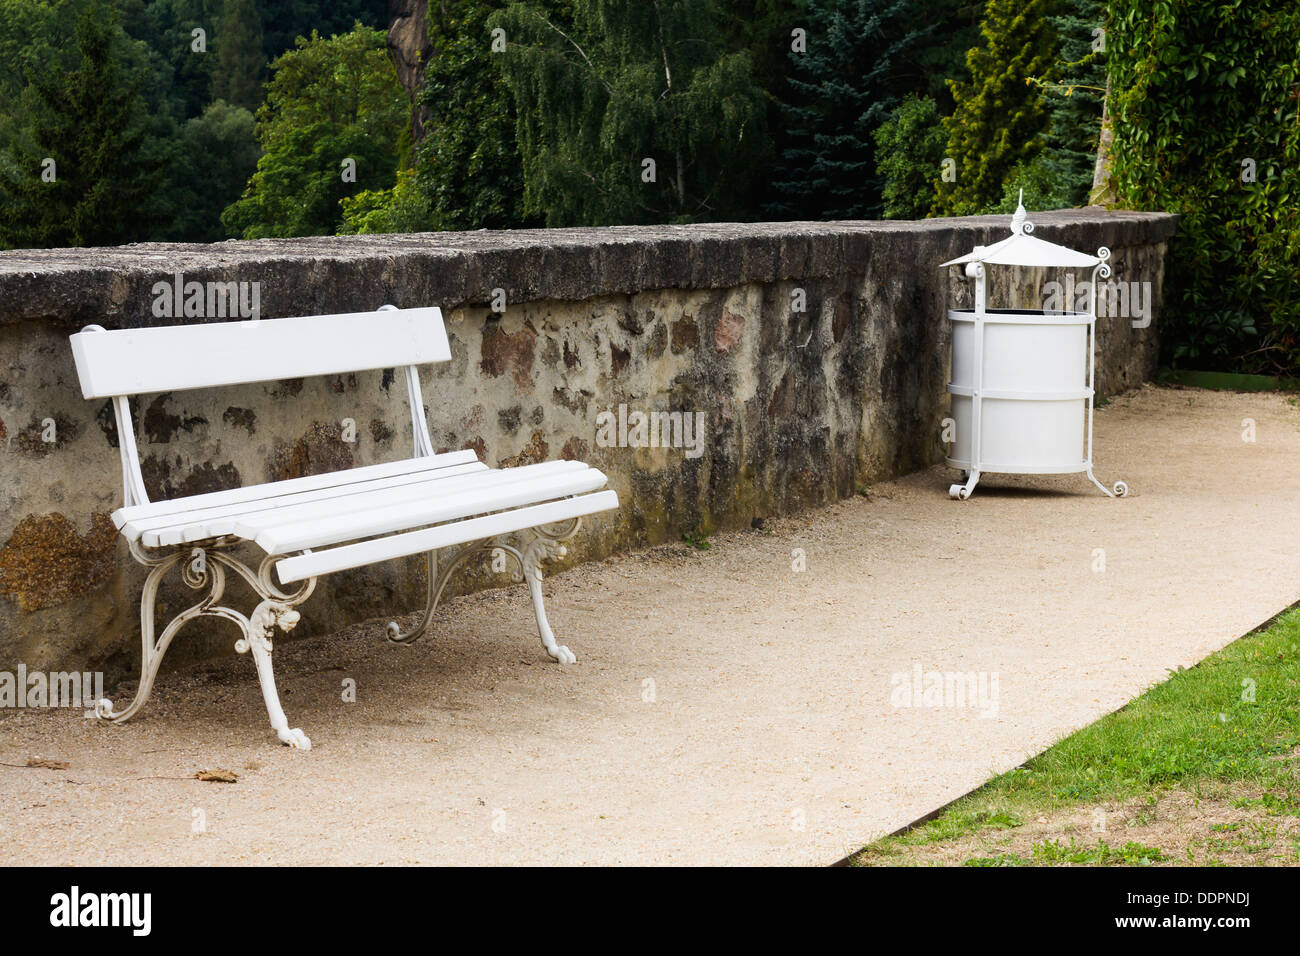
[112,285]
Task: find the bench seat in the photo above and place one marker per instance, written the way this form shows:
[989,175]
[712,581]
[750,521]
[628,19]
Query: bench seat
[296,515]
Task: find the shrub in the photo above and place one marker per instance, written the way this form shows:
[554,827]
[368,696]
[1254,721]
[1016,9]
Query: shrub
[1201,93]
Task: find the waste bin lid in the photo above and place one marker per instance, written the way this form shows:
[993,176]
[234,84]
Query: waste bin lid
[1022,249]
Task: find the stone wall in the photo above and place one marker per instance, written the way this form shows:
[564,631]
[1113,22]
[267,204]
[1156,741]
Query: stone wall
[799,406]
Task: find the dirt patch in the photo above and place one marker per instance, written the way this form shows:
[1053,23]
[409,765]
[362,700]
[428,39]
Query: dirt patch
[1221,825]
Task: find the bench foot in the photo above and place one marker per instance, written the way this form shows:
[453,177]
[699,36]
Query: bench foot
[206,567]
[544,548]
[261,625]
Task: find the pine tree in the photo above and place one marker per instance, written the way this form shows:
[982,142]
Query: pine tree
[632,114]
[84,168]
[842,88]
[1000,116]
[1074,98]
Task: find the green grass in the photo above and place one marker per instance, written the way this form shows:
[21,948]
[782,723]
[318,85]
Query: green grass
[1227,381]
[1053,852]
[1200,726]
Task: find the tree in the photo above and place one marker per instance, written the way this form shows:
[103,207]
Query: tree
[400,209]
[468,169]
[1074,99]
[765,30]
[946,30]
[632,114]
[83,169]
[219,152]
[909,148]
[333,125]
[842,88]
[1000,119]
[283,21]
[237,76]
[1206,107]
[189,70]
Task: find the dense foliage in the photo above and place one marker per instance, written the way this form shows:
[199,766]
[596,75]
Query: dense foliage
[331,126]
[860,58]
[1206,107]
[82,169]
[843,87]
[123,120]
[468,169]
[630,113]
[909,148]
[1000,115]
[199,120]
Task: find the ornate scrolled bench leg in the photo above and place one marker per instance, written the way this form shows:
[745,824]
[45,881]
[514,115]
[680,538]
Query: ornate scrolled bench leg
[261,625]
[546,546]
[206,567]
[436,582]
[151,651]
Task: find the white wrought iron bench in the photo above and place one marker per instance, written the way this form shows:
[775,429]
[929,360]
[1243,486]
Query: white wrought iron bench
[316,525]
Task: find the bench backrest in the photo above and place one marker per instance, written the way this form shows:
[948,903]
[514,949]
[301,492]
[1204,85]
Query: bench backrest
[121,363]
[172,358]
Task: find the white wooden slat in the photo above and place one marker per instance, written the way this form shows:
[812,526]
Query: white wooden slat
[141,526]
[347,556]
[350,527]
[179,357]
[367,499]
[215,522]
[290,486]
[177,528]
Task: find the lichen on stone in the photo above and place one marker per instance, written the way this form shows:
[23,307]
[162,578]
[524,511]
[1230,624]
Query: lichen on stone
[45,561]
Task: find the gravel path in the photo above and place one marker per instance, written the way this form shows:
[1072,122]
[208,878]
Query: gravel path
[725,708]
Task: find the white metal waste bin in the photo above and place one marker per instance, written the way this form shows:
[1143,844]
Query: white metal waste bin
[1022,379]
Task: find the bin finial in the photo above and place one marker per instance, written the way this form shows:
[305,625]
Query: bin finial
[1018,217]
[1019,226]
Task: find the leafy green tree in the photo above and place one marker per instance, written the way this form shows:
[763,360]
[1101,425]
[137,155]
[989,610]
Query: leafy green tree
[633,114]
[83,169]
[468,168]
[400,209]
[237,75]
[1000,118]
[30,35]
[333,125]
[219,152]
[909,148]
[843,87]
